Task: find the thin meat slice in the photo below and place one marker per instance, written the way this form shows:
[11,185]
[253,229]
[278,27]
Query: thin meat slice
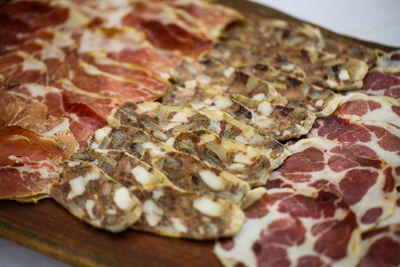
[167,210]
[371,108]
[381,247]
[28,164]
[183,170]
[126,45]
[382,138]
[92,196]
[165,122]
[294,228]
[352,171]
[20,67]
[19,110]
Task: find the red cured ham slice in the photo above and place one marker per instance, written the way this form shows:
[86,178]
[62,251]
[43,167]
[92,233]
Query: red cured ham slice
[288,228]
[381,247]
[379,82]
[20,67]
[353,172]
[127,45]
[28,164]
[18,110]
[382,138]
[170,28]
[371,108]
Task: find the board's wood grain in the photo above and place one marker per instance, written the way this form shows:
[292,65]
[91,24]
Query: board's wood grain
[51,230]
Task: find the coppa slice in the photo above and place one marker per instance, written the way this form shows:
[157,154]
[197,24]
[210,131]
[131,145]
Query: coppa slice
[92,196]
[176,213]
[183,170]
[382,138]
[289,228]
[353,172]
[28,164]
[123,167]
[246,162]
[381,247]
[164,122]
[371,108]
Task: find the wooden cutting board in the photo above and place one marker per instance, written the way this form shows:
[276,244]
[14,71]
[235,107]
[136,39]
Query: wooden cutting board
[51,230]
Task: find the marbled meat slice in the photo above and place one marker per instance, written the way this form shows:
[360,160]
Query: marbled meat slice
[371,108]
[385,78]
[353,172]
[382,138]
[92,196]
[127,45]
[20,67]
[246,162]
[294,228]
[164,122]
[176,213]
[183,170]
[123,167]
[19,110]
[28,164]
[381,247]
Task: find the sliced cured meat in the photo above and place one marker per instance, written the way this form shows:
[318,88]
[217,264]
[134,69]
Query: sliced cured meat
[28,164]
[132,72]
[298,91]
[170,28]
[123,167]
[172,212]
[127,45]
[18,110]
[352,171]
[371,108]
[164,122]
[92,196]
[20,67]
[379,82]
[246,162]
[289,228]
[183,170]
[381,247]
[382,138]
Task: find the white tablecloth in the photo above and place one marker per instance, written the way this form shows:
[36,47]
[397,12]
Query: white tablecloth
[373,20]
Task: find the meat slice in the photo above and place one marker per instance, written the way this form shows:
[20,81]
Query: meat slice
[19,110]
[352,171]
[381,247]
[28,164]
[164,122]
[183,170]
[92,196]
[294,228]
[371,108]
[167,210]
[126,45]
[382,138]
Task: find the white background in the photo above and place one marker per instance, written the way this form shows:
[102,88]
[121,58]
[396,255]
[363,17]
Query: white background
[373,20]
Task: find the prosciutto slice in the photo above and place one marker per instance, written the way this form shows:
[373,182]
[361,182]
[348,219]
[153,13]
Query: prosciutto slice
[288,228]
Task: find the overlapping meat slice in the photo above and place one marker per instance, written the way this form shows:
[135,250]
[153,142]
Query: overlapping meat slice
[165,122]
[183,170]
[126,45]
[371,108]
[167,210]
[92,196]
[351,171]
[28,164]
[18,110]
[20,67]
[381,247]
[382,138]
[294,228]
[385,78]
